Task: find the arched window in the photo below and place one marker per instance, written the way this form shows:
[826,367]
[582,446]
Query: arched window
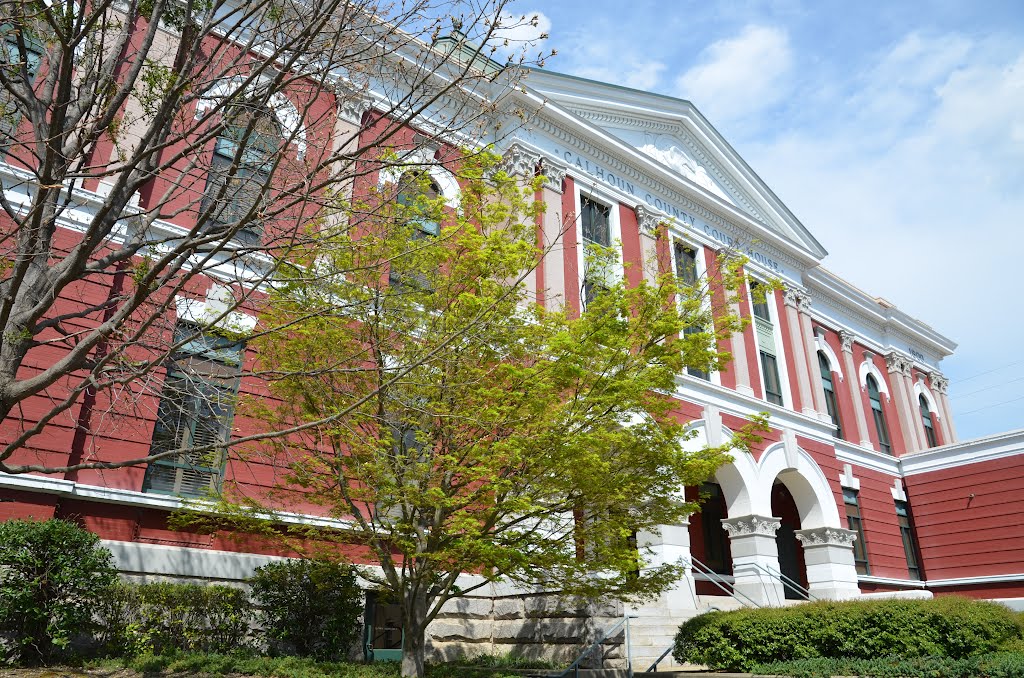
[926,419]
[686,274]
[830,393]
[416,191]
[876,410]
[413,186]
[239,178]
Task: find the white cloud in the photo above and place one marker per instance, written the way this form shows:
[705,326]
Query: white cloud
[620,57]
[929,218]
[740,76]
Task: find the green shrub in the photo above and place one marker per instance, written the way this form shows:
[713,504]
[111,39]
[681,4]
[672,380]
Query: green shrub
[997,665]
[944,627]
[192,664]
[168,618]
[309,607]
[52,575]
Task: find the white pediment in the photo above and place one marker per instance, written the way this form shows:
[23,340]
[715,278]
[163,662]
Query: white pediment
[674,134]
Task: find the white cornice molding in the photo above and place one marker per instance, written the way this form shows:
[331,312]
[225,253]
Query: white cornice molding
[864,457]
[891,581]
[974,581]
[122,497]
[976,451]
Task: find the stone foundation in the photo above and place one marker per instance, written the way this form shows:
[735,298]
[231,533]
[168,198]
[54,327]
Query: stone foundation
[541,626]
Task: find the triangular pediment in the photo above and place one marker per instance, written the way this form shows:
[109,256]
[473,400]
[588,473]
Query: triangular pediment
[674,134]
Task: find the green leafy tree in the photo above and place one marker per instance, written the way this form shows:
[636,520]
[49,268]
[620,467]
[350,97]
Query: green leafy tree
[477,432]
[52,576]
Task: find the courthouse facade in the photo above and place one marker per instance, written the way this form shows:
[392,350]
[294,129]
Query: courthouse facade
[860,487]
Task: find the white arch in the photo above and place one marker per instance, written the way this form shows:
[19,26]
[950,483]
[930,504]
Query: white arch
[424,160]
[805,481]
[284,110]
[833,360]
[867,367]
[921,390]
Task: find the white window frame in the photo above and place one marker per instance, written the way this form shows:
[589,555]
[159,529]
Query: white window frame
[780,348]
[614,232]
[714,376]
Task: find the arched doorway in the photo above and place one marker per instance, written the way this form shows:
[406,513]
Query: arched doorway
[791,552]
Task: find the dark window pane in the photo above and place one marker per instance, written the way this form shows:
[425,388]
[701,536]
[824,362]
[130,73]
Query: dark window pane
[853,522]
[831,404]
[686,264]
[760,307]
[926,419]
[878,415]
[772,384]
[594,222]
[907,535]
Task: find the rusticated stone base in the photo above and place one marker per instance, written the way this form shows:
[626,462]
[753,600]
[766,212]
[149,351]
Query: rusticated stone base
[539,626]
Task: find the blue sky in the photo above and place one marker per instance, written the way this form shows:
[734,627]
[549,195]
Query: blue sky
[893,130]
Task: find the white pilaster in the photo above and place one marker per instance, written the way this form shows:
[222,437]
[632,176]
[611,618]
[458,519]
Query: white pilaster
[791,298]
[854,383]
[739,357]
[897,365]
[940,387]
[671,545]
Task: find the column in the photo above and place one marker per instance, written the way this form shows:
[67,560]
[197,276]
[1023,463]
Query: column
[671,544]
[812,359]
[853,381]
[897,365]
[828,554]
[940,388]
[791,298]
[752,540]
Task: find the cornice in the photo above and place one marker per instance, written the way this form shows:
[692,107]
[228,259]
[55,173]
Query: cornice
[699,205]
[976,451]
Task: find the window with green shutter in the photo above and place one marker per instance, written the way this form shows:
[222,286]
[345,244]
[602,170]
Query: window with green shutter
[197,405]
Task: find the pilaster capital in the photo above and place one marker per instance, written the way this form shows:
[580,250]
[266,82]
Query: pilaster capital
[897,362]
[554,174]
[939,383]
[826,536]
[796,298]
[518,161]
[650,219]
[847,340]
[352,105]
[750,525]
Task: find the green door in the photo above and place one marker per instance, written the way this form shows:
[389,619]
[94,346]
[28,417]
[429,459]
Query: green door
[382,631]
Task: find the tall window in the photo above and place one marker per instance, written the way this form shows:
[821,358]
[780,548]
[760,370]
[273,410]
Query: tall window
[415,191]
[909,543]
[596,227]
[879,415]
[197,405]
[686,272]
[926,419]
[830,393]
[239,178]
[853,522]
[20,57]
[765,330]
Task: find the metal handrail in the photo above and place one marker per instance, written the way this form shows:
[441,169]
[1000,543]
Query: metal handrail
[786,581]
[721,582]
[654,667]
[575,666]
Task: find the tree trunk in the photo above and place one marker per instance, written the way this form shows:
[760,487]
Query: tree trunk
[414,648]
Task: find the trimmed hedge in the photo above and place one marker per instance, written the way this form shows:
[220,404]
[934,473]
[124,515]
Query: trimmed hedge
[944,627]
[997,665]
[167,618]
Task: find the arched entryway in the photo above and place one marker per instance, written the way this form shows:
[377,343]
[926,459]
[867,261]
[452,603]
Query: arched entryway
[791,551]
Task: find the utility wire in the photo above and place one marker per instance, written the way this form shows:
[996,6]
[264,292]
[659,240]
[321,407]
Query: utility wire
[981,374]
[989,407]
[987,388]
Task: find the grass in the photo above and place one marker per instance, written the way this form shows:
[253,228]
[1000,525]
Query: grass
[491,666]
